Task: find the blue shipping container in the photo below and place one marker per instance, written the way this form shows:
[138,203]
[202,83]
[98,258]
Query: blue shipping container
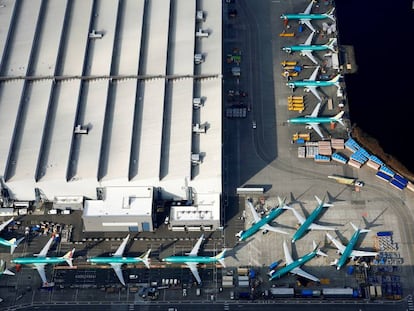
[401,179]
[397,184]
[383,176]
[273,265]
[350,270]
[306,293]
[384,233]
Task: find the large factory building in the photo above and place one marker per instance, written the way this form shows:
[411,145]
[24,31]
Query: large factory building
[106,106]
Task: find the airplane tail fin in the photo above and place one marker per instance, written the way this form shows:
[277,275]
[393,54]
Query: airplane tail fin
[3,268]
[335,80]
[361,231]
[220,257]
[318,251]
[338,118]
[331,44]
[145,258]
[69,257]
[330,14]
[14,243]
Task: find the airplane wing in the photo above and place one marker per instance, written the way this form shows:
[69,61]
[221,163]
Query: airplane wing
[308,8]
[271,228]
[310,56]
[308,23]
[314,92]
[5,224]
[118,272]
[256,216]
[120,251]
[319,227]
[300,218]
[309,39]
[315,111]
[314,74]
[40,267]
[196,247]
[356,253]
[304,274]
[288,256]
[45,249]
[339,245]
[317,129]
[194,270]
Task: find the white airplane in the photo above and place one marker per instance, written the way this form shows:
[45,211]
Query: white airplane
[308,223]
[306,16]
[192,259]
[293,266]
[12,243]
[262,223]
[348,251]
[307,48]
[117,260]
[39,261]
[312,120]
[312,84]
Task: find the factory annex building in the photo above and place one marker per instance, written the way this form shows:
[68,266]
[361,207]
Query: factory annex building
[107,106]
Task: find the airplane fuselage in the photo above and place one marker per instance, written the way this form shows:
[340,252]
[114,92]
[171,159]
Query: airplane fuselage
[37,260]
[192,259]
[305,226]
[348,249]
[304,83]
[304,16]
[109,260]
[256,227]
[282,271]
[306,120]
[299,48]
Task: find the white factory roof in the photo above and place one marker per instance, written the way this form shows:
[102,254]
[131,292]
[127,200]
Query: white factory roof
[131,90]
[121,201]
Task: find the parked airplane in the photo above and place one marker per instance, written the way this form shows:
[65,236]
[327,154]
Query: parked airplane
[117,260]
[39,261]
[312,121]
[262,223]
[293,266]
[348,251]
[307,47]
[3,269]
[308,223]
[306,16]
[192,259]
[12,243]
[312,84]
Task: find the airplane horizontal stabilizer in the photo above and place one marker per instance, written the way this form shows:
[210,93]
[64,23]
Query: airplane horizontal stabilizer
[145,258]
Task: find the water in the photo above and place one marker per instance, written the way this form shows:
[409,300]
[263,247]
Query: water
[380,93]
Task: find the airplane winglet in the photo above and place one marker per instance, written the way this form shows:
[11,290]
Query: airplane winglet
[145,258]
